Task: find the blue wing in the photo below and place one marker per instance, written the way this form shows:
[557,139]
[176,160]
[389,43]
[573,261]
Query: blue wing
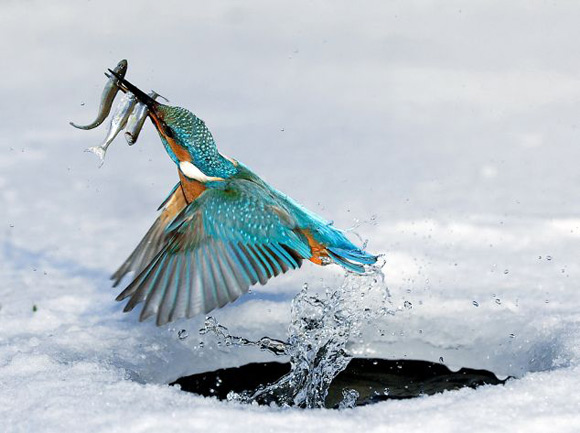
[234,235]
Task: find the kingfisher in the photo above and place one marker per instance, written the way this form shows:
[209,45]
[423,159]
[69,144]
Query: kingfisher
[221,229]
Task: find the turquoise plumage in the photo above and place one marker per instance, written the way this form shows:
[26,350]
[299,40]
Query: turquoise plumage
[221,230]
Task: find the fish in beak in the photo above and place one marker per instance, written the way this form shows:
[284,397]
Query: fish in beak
[107,97]
[155,109]
[141,96]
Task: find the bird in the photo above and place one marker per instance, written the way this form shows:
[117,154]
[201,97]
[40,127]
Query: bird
[221,229]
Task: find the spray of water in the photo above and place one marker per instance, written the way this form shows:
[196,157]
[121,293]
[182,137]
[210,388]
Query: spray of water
[318,335]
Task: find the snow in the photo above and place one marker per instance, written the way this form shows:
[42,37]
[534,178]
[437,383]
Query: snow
[449,129]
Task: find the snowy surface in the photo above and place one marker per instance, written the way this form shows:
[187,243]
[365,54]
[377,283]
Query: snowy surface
[452,129]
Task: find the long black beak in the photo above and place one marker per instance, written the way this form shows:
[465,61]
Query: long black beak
[141,96]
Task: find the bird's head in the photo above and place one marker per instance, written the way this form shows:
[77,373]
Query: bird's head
[186,138]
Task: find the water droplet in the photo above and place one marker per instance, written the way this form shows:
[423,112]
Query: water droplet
[498,301]
[408,305]
[512,335]
[475,304]
[349,398]
[11,225]
[548,257]
[539,257]
[182,335]
[441,360]
[506,271]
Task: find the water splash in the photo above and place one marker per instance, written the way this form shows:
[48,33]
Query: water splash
[211,326]
[320,329]
[372,221]
[349,398]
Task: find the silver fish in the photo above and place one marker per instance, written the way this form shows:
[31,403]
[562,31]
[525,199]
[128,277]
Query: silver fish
[107,97]
[118,122]
[137,119]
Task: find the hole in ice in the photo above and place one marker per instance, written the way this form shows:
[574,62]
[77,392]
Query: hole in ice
[322,372]
[366,381]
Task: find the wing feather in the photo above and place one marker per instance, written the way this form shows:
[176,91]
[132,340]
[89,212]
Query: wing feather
[293,262]
[234,277]
[171,291]
[154,287]
[220,289]
[179,308]
[273,262]
[209,284]
[211,251]
[255,263]
[196,294]
[242,258]
[239,268]
[155,238]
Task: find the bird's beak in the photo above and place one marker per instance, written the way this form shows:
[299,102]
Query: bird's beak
[141,96]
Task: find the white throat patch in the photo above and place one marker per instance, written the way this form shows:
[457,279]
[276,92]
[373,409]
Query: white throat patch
[192,172]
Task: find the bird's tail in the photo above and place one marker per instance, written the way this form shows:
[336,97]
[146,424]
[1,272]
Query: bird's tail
[351,259]
[327,242]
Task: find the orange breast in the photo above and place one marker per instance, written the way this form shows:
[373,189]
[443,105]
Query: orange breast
[174,205]
[191,188]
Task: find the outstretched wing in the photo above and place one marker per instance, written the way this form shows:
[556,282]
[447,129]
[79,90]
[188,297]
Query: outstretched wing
[155,238]
[234,235]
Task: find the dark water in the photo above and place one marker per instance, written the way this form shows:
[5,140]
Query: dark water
[373,379]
